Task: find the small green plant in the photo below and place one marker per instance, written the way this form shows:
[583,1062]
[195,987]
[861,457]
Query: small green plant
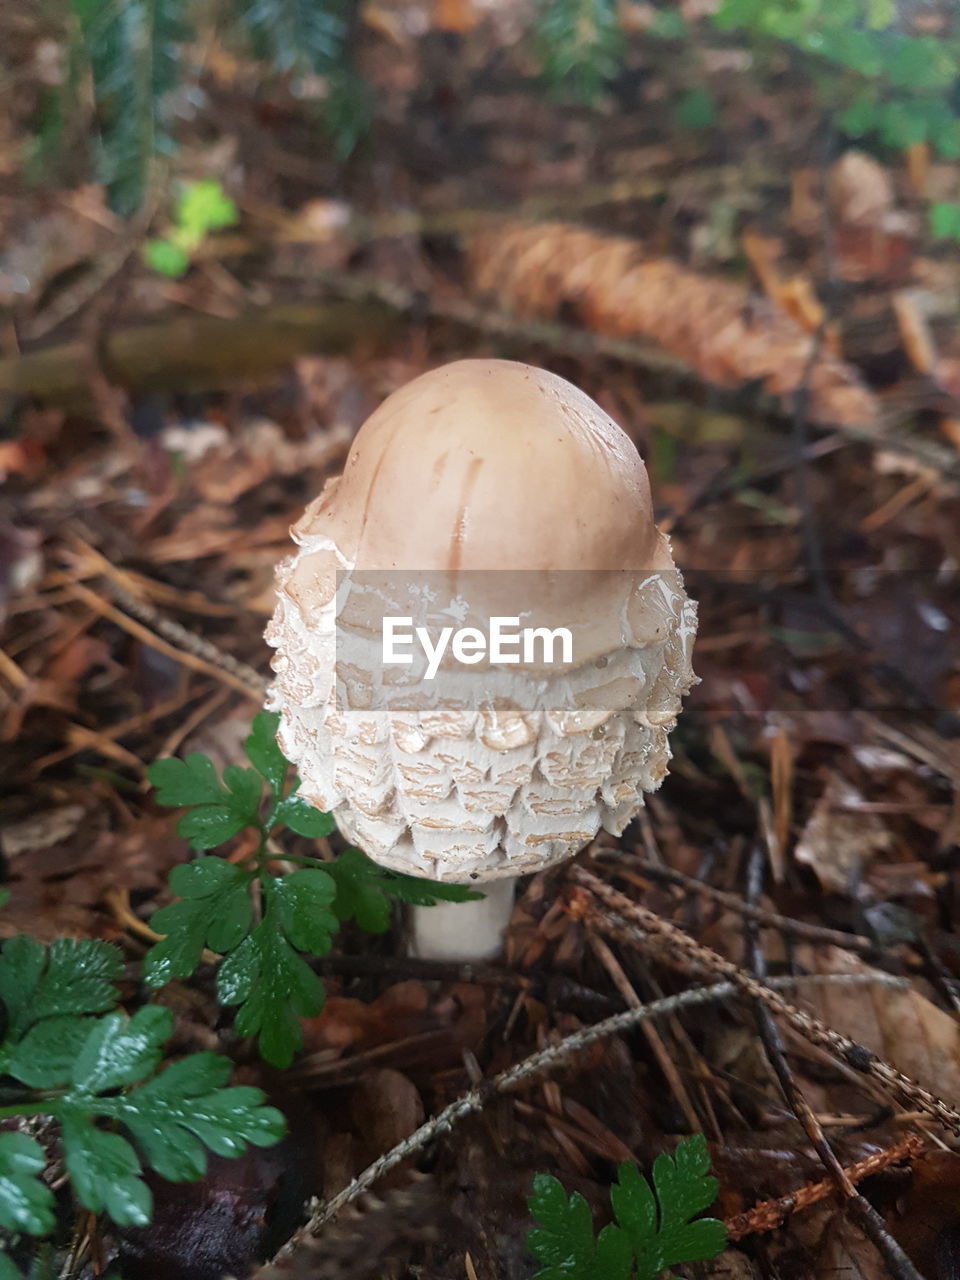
[69,1054]
[201,208]
[945,220]
[259,915]
[579,44]
[895,86]
[654,1229]
[138,61]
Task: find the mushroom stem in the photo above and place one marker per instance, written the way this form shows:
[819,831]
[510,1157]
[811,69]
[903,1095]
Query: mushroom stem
[464,930]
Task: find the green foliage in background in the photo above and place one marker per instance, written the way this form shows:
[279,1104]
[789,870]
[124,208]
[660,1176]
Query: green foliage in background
[201,208]
[895,86]
[945,220]
[580,45]
[263,913]
[654,1228]
[69,1054]
[139,62]
[884,82]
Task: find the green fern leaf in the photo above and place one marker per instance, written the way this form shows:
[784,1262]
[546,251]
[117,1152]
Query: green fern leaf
[655,1228]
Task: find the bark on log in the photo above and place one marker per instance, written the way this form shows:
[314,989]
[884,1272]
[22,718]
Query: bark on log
[197,353]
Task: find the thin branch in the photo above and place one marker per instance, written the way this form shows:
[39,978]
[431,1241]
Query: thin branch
[545,1060]
[733,902]
[209,659]
[858,1208]
[770,1214]
[628,920]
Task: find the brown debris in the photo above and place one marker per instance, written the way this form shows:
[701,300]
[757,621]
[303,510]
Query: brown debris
[717,326]
[770,1214]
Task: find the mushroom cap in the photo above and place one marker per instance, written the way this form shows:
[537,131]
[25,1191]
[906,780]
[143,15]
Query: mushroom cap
[496,481]
[487,464]
[491,465]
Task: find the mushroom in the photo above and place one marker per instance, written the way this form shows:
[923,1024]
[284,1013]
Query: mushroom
[482,490]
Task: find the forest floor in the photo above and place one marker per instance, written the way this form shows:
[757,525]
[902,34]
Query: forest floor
[765,313]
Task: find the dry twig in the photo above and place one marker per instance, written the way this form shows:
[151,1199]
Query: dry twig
[859,1208]
[639,926]
[769,1214]
[545,1060]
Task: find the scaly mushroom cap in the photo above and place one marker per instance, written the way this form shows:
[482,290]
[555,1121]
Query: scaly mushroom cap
[510,492]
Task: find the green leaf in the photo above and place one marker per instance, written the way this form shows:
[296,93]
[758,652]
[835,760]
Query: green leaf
[945,221]
[104,1170]
[203,877]
[210,825]
[364,890]
[635,1207]
[862,116]
[921,62]
[303,899]
[4,897]
[120,1051]
[71,976]
[301,817]
[186,1108]
[245,789]
[214,912]
[652,1231]
[360,893]
[668,24]
[696,109]
[26,1204]
[947,140]
[216,812]
[44,1058]
[264,753]
[565,1242]
[167,258]
[682,1191]
[173,1117]
[7,1270]
[219,812]
[192,780]
[205,206]
[274,988]
[902,125]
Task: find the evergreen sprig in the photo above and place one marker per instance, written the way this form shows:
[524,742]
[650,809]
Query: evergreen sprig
[580,45]
[136,58]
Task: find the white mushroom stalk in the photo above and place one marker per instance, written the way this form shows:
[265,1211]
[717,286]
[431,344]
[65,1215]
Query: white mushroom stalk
[484,492]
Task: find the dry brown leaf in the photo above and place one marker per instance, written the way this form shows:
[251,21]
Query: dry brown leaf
[902,1026]
[721,329]
[859,190]
[386,1108]
[838,842]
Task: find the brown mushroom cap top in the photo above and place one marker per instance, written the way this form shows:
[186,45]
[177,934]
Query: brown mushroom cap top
[494,465]
[490,464]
